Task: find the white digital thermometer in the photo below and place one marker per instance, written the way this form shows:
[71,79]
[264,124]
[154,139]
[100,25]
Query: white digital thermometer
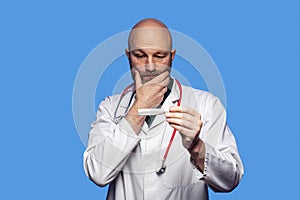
[151,111]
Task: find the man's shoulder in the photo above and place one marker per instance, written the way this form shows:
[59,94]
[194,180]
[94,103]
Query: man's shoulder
[201,99]
[115,99]
[198,92]
[110,99]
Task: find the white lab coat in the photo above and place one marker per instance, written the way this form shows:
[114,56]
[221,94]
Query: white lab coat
[117,156]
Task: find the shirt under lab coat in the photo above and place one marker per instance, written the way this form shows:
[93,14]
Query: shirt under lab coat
[128,162]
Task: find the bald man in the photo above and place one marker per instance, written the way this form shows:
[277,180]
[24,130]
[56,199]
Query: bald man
[177,149]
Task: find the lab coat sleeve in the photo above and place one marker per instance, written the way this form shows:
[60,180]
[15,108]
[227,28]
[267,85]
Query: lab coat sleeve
[110,144]
[223,168]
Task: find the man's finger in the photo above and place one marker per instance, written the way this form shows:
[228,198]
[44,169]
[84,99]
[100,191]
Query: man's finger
[165,82]
[183,109]
[183,123]
[137,79]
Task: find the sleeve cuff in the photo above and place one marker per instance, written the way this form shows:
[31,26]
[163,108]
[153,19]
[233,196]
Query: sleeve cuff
[196,169]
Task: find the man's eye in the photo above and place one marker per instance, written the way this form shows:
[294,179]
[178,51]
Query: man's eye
[139,55]
[160,56]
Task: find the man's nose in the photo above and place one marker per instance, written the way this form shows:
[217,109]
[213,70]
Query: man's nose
[150,65]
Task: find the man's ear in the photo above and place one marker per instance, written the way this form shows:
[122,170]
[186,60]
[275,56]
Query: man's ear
[173,52]
[127,52]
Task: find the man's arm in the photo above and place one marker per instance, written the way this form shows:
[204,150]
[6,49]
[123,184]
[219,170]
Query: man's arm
[110,145]
[211,145]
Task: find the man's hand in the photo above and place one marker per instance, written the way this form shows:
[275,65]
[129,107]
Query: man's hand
[151,94]
[148,95]
[187,121]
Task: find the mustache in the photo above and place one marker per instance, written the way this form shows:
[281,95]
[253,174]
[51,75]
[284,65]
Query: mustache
[152,73]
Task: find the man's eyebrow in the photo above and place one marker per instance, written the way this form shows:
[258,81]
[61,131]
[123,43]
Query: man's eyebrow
[162,52]
[138,50]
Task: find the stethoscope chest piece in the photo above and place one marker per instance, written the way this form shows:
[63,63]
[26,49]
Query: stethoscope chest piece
[162,169]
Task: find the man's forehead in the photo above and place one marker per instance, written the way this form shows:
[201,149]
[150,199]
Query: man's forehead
[150,38]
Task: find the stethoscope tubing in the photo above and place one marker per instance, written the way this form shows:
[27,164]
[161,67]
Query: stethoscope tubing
[163,166]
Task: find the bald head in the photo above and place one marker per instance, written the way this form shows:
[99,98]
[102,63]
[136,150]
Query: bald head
[150,33]
[149,22]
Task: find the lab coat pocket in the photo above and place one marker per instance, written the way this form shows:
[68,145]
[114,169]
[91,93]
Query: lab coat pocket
[179,174]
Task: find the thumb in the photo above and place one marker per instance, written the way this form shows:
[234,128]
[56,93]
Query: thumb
[137,79]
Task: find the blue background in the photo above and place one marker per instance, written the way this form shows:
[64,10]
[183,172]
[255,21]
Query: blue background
[255,45]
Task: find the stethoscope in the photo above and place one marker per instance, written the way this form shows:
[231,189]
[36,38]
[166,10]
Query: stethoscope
[118,118]
[125,91]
